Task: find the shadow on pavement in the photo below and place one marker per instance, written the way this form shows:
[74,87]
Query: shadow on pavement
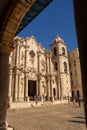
[75,121]
[80,117]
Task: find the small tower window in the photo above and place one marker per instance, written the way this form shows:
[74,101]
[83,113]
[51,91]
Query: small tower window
[63,50]
[75,72]
[74,63]
[55,51]
[65,67]
[71,74]
[55,66]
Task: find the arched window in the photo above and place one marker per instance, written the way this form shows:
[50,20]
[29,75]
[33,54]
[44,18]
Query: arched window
[65,67]
[55,66]
[63,50]
[54,51]
[74,63]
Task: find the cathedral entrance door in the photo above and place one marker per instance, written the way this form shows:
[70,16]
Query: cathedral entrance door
[31,89]
[54,93]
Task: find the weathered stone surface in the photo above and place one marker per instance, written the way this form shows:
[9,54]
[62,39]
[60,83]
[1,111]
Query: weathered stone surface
[37,64]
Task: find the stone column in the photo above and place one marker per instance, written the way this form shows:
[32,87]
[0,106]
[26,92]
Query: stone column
[51,81]
[47,65]
[39,86]
[10,84]
[26,55]
[38,58]
[37,89]
[15,93]
[18,90]
[16,86]
[58,88]
[51,88]
[59,92]
[48,88]
[26,78]
[4,75]
[26,88]
[38,76]
[50,64]
[17,55]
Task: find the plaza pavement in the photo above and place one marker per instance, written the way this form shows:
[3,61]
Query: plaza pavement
[52,117]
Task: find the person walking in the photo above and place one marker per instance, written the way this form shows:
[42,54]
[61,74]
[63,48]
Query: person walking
[74,102]
[79,101]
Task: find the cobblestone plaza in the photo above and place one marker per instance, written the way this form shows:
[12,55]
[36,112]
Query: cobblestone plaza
[53,117]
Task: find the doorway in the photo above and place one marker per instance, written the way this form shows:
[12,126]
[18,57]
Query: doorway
[54,92]
[78,95]
[73,94]
[31,89]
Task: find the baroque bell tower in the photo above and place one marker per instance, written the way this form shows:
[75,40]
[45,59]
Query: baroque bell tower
[61,66]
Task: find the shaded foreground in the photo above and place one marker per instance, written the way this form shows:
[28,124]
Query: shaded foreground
[54,117]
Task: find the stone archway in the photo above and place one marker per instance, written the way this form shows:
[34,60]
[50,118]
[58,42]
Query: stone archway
[12,20]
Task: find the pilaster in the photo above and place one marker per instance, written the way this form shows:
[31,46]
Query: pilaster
[38,83]
[4,83]
[26,87]
[16,86]
[51,88]
[48,87]
[38,58]
[10,83]
[37,89]
[47,64]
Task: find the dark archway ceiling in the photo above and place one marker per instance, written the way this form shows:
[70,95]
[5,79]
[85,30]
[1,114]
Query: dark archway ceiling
[37,7]
[4,8]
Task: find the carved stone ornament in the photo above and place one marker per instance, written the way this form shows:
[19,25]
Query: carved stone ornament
[26,1]
[29,1]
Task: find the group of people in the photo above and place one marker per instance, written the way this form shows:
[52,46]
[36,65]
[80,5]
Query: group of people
[78,100]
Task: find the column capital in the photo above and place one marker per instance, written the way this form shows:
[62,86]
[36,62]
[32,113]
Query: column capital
[6,48]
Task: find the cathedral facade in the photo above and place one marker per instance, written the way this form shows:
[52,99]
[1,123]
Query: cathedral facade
[36,72]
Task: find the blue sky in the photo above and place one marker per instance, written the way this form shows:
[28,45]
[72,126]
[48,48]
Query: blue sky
[56,19]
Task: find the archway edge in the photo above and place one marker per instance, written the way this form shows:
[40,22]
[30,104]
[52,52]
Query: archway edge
[11,23]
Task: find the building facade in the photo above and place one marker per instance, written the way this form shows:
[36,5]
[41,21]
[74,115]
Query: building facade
[75,73]
[37,72]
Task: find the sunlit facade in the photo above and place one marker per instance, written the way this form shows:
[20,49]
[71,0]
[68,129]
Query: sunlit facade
[75,73]
[36,72]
